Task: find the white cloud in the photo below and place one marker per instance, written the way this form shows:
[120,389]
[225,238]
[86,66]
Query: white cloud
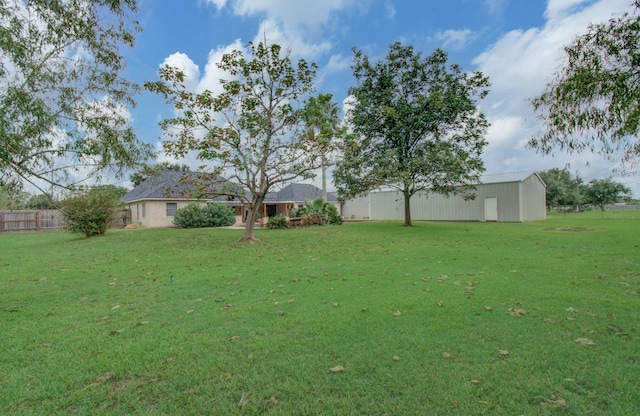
[294,24]
[519,65]
[306,13]
[183,63]
[218,3]
[502,130]
[212,74]
[495,6]
[391,10]
[194,80]
[557,9]
[337,63]
[197,81]
[454,39]
[274,32]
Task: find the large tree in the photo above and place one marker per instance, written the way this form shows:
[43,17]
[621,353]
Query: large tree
[321,116]
[562,188]
[253,130]
[63,101]
[415,126]
[600,192]
[593,102]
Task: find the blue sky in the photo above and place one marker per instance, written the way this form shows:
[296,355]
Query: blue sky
[517,43]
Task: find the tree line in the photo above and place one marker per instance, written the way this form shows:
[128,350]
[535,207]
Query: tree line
[564,190]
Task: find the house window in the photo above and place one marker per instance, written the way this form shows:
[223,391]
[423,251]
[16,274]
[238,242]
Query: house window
[172,207]
[144,210]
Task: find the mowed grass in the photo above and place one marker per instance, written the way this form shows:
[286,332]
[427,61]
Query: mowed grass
[437,319]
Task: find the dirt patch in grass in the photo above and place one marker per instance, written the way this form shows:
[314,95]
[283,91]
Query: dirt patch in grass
[572,229]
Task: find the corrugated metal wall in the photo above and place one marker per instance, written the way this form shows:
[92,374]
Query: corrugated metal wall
[356,208]
[516,202]
[437,207]
[386,205]
[508,196]
[532,193]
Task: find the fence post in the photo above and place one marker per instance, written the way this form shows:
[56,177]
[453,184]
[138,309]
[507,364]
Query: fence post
[38,221]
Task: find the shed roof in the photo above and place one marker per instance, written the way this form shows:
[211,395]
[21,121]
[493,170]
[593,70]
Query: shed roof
[494,178]
[508,177]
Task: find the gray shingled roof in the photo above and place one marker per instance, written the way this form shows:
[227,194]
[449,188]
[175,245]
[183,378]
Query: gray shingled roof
[298,192]
[185,185]
[178,185]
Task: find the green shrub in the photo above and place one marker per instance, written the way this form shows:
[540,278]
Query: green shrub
[299,212]
[211,215]
[90,211]
[277,222]
[331,214]
[219,215]
[319,212]
[191,216]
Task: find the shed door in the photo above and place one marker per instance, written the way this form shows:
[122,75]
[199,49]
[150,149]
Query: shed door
[491,208]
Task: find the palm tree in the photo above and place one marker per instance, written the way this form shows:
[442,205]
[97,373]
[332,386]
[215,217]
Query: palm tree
[322,118]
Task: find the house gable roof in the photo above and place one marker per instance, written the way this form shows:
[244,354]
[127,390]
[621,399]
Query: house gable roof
[177,185]
[298,192]
[188,185]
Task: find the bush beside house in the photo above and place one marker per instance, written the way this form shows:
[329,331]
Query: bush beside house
[90,212]
[319,212]
[211,215]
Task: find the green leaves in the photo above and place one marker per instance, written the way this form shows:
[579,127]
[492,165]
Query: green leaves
[600,192]
[561,187]
[416,126]
[593,103]
[57,112]
[90,211]
[252,130]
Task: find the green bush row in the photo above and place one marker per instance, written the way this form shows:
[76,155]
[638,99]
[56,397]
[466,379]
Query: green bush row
[211,215]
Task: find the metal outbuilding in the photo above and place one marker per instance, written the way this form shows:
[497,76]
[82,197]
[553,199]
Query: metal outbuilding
[509,197]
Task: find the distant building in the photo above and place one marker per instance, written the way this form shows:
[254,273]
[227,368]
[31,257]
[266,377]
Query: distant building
[510,197]
[154,202]
[294,196]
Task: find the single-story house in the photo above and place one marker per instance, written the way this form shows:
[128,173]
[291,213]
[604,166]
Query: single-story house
[154,202]
[294,196]
[510,197]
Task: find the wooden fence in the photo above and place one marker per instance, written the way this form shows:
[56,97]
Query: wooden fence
[46,220]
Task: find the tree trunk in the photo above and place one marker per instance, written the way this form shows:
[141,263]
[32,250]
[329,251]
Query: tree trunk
[248,231]
[324,179]
[250,222]
[407,208]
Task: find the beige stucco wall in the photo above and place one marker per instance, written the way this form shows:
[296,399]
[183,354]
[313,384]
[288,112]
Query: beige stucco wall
[154,212]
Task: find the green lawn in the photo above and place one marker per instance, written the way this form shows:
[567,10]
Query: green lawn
[438,319]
